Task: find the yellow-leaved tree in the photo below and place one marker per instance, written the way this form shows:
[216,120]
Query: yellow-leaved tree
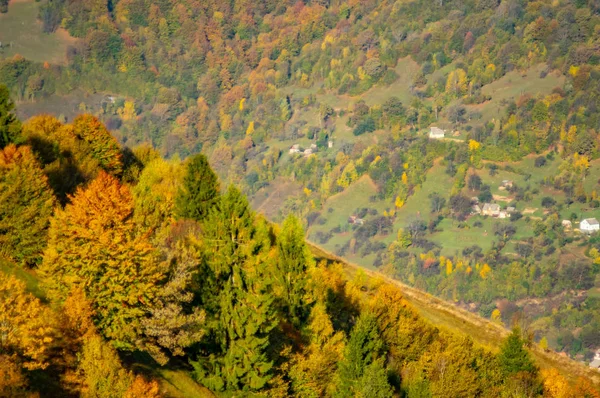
[155,195]
[27,327]
[93,245]
[313,374]
[26,204]
[137,298]
[72,154]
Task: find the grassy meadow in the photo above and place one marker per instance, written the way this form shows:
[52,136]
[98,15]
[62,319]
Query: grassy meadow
[21,33]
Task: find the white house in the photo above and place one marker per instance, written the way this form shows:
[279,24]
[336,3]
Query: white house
[491,209]
[595,364]
[567,224]
[295,148]
[589,225]
[436,133]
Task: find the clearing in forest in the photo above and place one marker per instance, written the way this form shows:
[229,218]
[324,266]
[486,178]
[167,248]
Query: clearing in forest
[21,33]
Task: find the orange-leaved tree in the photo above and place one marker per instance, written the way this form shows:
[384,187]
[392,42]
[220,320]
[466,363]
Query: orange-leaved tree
[72,154]
[93,245]
[27,327]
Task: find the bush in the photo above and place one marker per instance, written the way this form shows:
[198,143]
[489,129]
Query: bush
[540,161]
[516,216]
[365,126]
[548,202]
[311,217]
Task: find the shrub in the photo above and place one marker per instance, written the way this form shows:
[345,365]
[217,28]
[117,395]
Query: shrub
[365,126]
[548,202]
[540,161]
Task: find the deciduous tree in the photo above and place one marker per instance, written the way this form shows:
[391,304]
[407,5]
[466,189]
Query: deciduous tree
[94,245]
[10,127]
[26,204]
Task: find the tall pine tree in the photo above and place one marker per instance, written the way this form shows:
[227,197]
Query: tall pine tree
[364,348]
[513,357]
[200,190]
[518,368]
[237,253]
[293,260]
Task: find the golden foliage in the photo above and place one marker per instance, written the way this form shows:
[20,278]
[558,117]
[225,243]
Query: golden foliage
[26,204]
[94,245]
[26,325]
[555,385]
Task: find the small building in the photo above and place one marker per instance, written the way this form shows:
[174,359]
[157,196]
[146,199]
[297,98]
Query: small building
[355,220]
[589,225]
[595,364]
[475,209]
[511,209]
[506,184]
[475,200]
[329,144]
[295,148]
[567,224]
[503,214]
[436,133]
[490,209]
[308,152]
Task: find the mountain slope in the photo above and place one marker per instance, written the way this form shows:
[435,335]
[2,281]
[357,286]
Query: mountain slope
[446,315]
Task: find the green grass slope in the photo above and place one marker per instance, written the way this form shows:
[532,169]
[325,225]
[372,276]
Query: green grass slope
[21,33]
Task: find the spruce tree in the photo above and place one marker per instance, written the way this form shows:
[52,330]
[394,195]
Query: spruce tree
[364,347]
[513,357]
[374,383]
[9,124]
[243,310]
[293,260]
[200,190]
[518,368]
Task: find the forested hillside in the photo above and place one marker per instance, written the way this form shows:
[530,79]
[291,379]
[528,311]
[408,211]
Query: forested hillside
[138,264]
[322,109]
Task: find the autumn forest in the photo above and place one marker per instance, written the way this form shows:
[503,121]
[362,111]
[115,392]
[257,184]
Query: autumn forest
[209,198]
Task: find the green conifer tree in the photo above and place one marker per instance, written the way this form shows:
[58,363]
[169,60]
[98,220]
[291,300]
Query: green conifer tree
[243,309]
[518,368]
[200,190]
[513,357]
[9,124]
[293,259]
[364,347]
[374,383]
